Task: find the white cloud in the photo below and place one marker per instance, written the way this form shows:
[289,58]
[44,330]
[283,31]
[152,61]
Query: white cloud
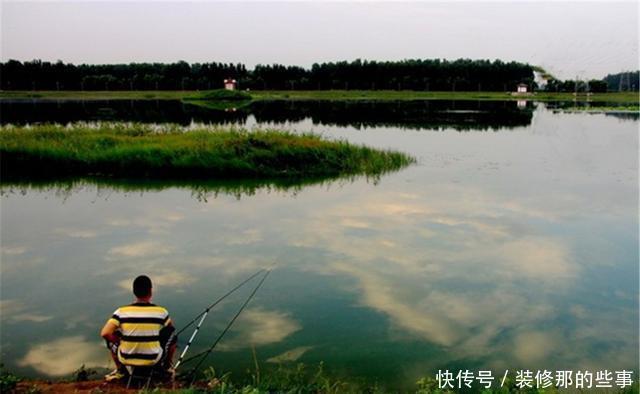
[75,233]
[63,356]
[245,237]
[13,250]
[17,311]
[534,347]
[141,249]
[290,355]
[163,278]
[260,327]
[155,222]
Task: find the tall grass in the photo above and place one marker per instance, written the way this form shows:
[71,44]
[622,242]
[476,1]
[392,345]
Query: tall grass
[136,150]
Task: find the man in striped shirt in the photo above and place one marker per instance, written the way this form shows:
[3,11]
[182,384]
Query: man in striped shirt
[140,334]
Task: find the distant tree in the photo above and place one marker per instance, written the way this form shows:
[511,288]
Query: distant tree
[412,74]
[628,81]
[597,86]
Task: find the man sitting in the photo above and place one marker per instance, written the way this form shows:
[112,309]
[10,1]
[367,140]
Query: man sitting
[140,334]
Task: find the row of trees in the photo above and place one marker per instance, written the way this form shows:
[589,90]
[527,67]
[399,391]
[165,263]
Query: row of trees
[624,82]
[39,75]
[621,82]
[435,74]
[593,86]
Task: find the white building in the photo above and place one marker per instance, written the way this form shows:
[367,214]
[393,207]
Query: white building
[522,88]
[230,84]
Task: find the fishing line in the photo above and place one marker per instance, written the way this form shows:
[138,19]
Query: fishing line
[219,300]
[203,316]
[204,354]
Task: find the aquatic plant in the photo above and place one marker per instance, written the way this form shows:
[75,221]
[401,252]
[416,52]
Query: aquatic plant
[135,150]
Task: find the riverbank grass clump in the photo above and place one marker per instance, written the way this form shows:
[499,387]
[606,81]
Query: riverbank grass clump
[221,94]
[136,150]
[220,99]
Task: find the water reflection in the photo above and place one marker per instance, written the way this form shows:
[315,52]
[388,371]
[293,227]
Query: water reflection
[472,275]
[623,111]
[419,114]
[499,250]
[259,327]
[201,190]
[145,111]
[61,357]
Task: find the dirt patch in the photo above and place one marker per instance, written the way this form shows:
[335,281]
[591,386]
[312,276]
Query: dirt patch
[92,386]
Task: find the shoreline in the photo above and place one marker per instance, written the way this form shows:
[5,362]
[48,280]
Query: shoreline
[335,95]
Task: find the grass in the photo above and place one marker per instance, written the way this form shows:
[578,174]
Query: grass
[297,378]
[171,152]
[627,97]
[393,95]
[8,381]
[220,99]
[221,95]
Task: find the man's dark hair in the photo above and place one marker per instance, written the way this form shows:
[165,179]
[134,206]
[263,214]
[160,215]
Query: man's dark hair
[142,286]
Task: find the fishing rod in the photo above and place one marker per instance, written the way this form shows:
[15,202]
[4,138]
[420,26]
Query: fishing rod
[203,316]
[204,354]
[219,300]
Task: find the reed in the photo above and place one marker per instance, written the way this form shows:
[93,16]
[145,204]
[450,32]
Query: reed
[147,151]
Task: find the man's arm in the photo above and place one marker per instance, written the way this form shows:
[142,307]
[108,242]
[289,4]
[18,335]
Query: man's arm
[109,332]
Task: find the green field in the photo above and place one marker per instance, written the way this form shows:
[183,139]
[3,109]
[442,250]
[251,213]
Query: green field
[171,152]
[623,97]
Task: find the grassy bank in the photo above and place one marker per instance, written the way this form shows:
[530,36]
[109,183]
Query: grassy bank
[627,97]
[393,95]
[220,99]
[290,379]
[136,150]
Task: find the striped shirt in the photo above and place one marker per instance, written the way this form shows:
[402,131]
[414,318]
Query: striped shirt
[139,325]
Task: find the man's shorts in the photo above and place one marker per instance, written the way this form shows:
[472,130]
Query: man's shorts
[167,339]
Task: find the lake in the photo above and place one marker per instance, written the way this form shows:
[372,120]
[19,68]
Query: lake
[513,243]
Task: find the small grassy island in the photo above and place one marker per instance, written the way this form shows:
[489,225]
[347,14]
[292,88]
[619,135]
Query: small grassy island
[137,150]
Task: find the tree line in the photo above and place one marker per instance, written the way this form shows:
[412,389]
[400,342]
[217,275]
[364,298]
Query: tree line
[621,82]
[430,74]
[416,74]
[628,81]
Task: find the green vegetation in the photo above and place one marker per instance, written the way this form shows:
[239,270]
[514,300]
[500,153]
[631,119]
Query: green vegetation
[220,99]
[293,379]
[461,75]
[338,95]
[221,95]
[136,150]
[8,381]
[624,81]
[395,95]
[413,74]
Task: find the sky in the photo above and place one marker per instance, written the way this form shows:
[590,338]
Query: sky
[569,39]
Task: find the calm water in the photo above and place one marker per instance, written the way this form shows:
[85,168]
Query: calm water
[512,248]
